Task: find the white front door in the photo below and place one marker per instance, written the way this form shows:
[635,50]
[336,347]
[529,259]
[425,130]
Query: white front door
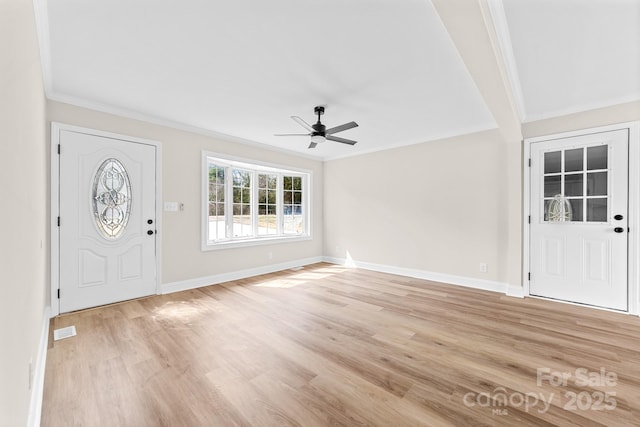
[579,217]
[107,220]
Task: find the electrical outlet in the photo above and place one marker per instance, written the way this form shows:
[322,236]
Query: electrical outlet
[484,267]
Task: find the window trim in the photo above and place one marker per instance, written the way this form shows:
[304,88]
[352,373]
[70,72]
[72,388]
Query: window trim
[255,167]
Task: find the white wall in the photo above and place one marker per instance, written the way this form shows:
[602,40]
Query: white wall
[435,207]
[587,119]
[23,207]
[442,206]
[182,257]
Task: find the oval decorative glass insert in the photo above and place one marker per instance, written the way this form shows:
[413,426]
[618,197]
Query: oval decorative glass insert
[111,199]
[559,209]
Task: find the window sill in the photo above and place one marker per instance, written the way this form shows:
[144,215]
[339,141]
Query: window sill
[254,242]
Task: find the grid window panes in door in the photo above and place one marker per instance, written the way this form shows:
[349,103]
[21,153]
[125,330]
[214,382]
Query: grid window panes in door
[576,184]
[247,202]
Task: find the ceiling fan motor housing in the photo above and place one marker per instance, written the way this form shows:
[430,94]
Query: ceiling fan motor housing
[319,129]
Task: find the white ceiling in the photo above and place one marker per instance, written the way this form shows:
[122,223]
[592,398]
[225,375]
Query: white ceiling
[574,55]
[241,68]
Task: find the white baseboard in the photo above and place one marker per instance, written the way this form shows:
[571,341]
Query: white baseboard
[37,387]
[198,282]
[469,282]
[516,291]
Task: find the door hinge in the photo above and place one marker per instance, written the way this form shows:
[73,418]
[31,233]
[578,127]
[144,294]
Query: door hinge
[58,293]
[58,221]
[58,148]
[529,276]
[529,162]
[529,219]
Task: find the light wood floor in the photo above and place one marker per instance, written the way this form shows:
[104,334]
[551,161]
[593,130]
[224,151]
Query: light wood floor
[333,346]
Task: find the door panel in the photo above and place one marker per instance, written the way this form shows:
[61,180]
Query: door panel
[553,256]
[579,209]
[107,195]
[93,268]
[597,262]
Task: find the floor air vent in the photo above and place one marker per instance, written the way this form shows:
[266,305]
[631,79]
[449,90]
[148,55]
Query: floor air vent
[62,333]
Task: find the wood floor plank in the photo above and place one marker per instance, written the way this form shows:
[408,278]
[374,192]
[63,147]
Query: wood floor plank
[329,345]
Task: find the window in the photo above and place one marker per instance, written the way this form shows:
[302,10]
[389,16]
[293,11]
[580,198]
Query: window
[246,203]
[111,199]
[292,204]
[216,203]
[576,184]
[267,204]
[242,219]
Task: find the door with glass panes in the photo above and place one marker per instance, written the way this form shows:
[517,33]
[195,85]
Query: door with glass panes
[579,209]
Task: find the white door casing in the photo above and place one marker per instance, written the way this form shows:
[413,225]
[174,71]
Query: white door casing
[95,267]
[579,250]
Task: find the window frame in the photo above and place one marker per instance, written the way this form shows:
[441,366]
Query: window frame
[256,168]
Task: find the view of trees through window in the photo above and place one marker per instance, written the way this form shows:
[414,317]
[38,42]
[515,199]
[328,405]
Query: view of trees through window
[216,202]
[242,219]
[292,204]
[267,204]
[245,203]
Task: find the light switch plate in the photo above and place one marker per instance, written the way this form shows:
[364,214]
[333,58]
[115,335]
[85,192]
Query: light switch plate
[171,206]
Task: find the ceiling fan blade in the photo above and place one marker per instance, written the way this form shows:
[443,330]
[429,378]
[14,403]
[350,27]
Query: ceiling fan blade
[340,128]
[313,145]
[291,134]
[302,123]
[342,140]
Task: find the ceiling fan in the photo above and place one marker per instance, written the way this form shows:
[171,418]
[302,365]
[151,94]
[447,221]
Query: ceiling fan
[319,133]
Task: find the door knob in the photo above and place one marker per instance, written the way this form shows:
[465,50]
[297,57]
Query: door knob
[149,221]
[618,229]
[150,232]
[618,217]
